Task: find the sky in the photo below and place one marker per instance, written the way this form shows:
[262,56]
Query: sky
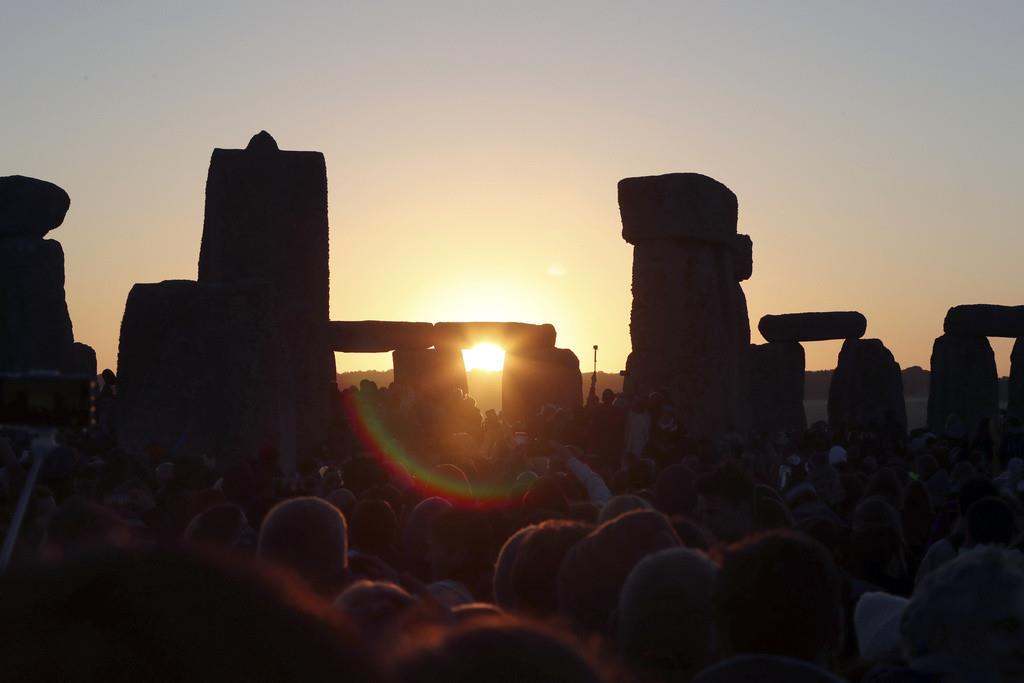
[473,149]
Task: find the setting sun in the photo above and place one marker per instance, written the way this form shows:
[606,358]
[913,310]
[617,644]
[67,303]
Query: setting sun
[484,357]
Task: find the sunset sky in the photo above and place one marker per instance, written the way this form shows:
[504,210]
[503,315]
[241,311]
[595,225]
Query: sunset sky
[473,149]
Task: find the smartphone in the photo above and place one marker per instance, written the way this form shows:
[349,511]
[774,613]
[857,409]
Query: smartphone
[46,400]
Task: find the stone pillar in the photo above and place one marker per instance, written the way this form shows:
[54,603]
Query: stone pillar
[963,381]
[202,370]
[1016,402]
[430,372]
[266,221]
[688,324]
[866,392]
[775,379]
[35,328]
[533,378]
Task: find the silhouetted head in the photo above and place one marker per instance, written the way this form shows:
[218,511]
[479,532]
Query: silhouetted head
[621,504]
[504,590]
[374,527]
[498,649]
[461,546]
[221,526]
[416,534]
[990,521]
[595,568]
[159,615]
[973,490]
[535,569]
[726,502]
[877,545]
[971,609]
[308,536]
[675,492]
[344,500]
[373,606]
[547,497]
[665,625]
[778,594]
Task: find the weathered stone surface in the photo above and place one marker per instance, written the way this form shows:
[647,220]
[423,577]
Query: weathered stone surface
[376,336]
[202,370]
[83,360]
[963,381]
[266,220]
[510,336]
[429,372]
[677,205]
[1015,406]
[30,207]
[35,329]
[690,333]
[867,389]
[775,380]
[533,378]
[985,320]
[743,257]
[801,327]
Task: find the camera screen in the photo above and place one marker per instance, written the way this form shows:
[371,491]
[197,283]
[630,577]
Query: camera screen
[45,401]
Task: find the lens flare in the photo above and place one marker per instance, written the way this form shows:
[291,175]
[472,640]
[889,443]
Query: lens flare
[377,438]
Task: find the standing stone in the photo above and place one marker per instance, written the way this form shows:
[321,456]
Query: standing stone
[30,207]
[83,360]
[688,323]
[266,220]
[963,381]
[776,383]
[1015,406]
[866,392]
[35,328]
[202,371]
[533,378]
[429,372]
[743,253]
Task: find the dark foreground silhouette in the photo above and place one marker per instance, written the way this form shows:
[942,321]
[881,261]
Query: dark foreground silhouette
[437,544]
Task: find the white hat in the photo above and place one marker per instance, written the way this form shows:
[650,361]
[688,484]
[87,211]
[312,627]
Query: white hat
[836,454]
[876,620]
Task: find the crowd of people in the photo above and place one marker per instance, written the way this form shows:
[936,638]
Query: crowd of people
[430,542]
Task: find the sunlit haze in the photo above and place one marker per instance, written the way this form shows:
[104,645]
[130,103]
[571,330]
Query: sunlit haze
[473,150]
[484,357]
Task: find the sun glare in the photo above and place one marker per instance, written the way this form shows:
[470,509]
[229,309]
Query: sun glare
[484,357]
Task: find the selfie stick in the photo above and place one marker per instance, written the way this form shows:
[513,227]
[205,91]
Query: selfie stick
[41,447]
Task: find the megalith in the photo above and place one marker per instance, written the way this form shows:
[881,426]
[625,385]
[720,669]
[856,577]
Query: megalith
[775,380]
[35,327]
[202,370]
[1015,406]
[510,336]
[30,207]
[533,378]
[266,220]
[985,320]
[378,336]
[963,381]
[801,327]
[866,392]
[688,324]
[429,372]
